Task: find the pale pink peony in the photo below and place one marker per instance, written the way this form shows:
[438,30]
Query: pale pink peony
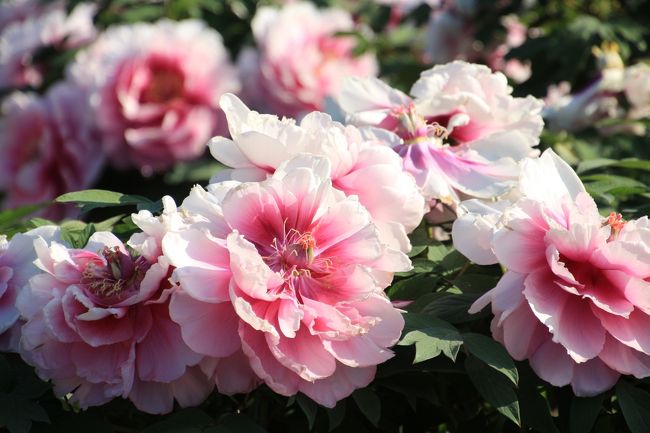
[637,90]
[461,133]
[299,60]
[361,166]
[98,326]
[155,89]
[293,271]
[48,146]
[574,300]
[16,267]
[32,27]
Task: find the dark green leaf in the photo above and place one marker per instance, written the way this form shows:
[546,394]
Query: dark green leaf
[336,415]
[76,235]
[185,421]
[584,412]
[431,337]
[96,198]
[635,404]
[309,408]
[494,387]
[492,353]
[369,404]
[535,411]
[240,424]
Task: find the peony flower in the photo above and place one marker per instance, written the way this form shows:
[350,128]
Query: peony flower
[293,272]
[51,26]
[637,90]
[155,90]
[360,166]
[300,60]
[98,326]
[48,146]
[461,133]
[574,298]
[16,267]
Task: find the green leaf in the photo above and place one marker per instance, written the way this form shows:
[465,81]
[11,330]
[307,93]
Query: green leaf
[309,408]
[492,353]
[369,404]
[9,217]
[420,240]
[76,235]
[193,172]
[535,410]
[336,415]
[584,412]
[108,224]
[95,198]
[17,413]
[635,404]
[240,424]
[185,421]
[450,306]
[436,252]
[431,337]
[608,183]
[494,387]
[593,164]
[413,288]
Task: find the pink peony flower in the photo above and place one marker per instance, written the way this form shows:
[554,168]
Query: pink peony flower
[155,89]
[47,27]
[637,90]
[574,299]
[300,61]
[360,166]
[462,133]
[294,272]
[48,146]
[16,267]
[98,326]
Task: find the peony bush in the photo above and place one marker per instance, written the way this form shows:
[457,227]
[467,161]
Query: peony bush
[375,216]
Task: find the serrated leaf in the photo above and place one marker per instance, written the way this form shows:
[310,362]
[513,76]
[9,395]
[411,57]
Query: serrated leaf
[309,408]
[431,337]
[494,387]
[493,354]
[635,404]
[369,404]
[584,412]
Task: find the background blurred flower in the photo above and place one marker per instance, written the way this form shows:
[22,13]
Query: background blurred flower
[48,146]
[42,27]
[155,89]
[299,59]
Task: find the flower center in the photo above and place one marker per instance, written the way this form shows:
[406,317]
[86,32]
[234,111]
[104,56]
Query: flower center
[616,222]
[166,84]
[413,127]
[116,279]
